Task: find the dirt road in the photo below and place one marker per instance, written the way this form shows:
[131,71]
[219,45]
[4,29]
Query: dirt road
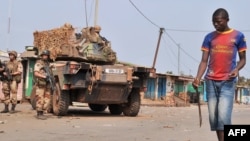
[81,124]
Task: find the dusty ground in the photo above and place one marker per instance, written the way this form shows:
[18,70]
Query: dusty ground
[81,124]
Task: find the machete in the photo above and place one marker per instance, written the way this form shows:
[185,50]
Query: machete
[199,104]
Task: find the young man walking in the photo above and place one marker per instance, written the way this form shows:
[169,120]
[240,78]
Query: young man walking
[220,49]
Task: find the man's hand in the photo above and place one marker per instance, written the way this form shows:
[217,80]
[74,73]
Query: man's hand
[196,83]
[233,73]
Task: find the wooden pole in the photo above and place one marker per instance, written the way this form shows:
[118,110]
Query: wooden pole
[157,47]
[9,24]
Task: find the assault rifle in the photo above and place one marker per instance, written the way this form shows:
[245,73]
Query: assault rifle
[104,39]
[8,77]
[51,78]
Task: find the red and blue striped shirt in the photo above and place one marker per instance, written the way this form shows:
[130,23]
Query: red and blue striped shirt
[223,48]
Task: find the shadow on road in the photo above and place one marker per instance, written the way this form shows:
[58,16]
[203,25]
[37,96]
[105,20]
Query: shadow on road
[86,112]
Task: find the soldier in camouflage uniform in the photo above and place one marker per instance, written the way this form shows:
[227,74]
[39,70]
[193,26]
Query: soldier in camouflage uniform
[11,78]
[95,36]
[43,91]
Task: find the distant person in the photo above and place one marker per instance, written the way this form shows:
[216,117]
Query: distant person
[43,91]
[95,36]
[12,71]
[102,40]
[220,50]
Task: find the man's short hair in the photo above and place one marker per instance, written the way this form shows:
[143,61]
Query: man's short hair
[221,12]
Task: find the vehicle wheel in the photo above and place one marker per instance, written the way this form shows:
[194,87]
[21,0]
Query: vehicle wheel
[133,106]
[33,98]
[115,109]
[97,107]
[60,101]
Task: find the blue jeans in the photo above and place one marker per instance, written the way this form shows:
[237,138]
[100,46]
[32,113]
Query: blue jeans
[220,96]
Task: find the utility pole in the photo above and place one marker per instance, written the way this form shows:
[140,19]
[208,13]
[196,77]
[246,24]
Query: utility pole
[157,47]
[96,12]
[9,23]
[86,15]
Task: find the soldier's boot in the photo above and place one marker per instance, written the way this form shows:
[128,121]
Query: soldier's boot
[6,109]
[40,115]
[13,109]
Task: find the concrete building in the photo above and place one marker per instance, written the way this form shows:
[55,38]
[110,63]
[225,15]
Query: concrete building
[172,88]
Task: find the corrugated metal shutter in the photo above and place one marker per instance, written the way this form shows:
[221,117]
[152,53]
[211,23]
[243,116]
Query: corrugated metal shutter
[161,87]
[150,88]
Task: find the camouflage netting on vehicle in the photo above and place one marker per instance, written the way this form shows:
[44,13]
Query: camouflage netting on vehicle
[64,42]
[53,39]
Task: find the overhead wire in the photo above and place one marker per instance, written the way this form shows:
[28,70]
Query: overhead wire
[169,48]
[186,30]
[197,61]
[172,53]
[171,38]
[91,9]
[144,14]
[183,64]
[201,31]
[88,15]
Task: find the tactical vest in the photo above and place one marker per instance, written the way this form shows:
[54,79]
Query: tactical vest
[41,82]
[13,67]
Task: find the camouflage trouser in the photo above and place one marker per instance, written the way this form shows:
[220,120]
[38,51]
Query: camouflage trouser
[42,98]
[9,90]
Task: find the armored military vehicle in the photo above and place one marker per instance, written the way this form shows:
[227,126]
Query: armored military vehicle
[86,72]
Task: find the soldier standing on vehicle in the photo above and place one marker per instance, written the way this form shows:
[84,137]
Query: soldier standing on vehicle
[43,89]
[11,78]
[101,40]
[94,35]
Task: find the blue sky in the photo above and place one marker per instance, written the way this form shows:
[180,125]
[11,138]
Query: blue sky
[133,37]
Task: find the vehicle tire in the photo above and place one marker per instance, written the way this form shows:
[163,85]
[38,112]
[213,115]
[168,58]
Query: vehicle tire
[60,101]
[132,108]
[115,109]
[97,107]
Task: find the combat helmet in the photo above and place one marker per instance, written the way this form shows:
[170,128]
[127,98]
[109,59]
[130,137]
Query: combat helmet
[13,53]
[45,52]
[97,28]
